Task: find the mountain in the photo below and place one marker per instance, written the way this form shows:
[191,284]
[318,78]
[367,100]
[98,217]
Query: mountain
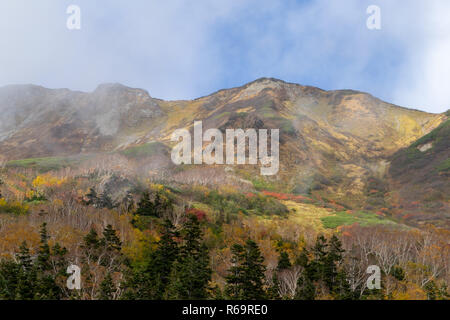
[337,145]
[420,176]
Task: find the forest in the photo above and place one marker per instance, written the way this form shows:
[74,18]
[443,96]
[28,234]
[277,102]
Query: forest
[165,240]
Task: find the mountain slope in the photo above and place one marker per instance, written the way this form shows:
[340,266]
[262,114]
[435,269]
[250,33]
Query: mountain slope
[420,176]
[333,144]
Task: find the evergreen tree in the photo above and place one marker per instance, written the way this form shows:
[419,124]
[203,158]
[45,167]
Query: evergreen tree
[273,292]
[306,289]
[26,278]
[43,259]
[100,253]
[92,198]
[191,272]
[145,206]
[105,201]
[332,262]
[318,265]
[9,279]
[163,258]
[107,288]
[110,239]
[46,287]
[283,261]
[247,275]
[150,280]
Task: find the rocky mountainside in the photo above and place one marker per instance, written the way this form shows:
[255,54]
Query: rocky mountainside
[334,144]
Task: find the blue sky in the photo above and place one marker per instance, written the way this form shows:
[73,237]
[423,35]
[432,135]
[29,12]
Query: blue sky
[185,49]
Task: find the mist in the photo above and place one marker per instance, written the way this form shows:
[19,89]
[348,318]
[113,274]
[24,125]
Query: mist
[183,50]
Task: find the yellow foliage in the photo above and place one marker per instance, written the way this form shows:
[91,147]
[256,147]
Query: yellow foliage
[47,180]
[142,243]
[227,189]
[14,207]
[411,292]
[157,187]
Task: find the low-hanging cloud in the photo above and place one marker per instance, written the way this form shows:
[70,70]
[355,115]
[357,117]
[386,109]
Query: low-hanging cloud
[185,49]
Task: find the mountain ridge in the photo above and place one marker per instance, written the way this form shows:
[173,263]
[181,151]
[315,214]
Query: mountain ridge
[332,143]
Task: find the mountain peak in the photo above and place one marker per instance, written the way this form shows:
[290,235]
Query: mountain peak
[113,86]
[118,88]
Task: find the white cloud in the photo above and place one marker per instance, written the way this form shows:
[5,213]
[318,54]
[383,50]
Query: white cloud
[184,49]
[424,78]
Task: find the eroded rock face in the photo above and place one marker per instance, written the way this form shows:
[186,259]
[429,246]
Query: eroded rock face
[36,121]
[425,147]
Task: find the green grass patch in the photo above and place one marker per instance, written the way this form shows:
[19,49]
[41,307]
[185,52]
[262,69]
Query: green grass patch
[43,164]
[233,203]
[344,218]
[444,166]
[263,184]
[145,150]
[221,115]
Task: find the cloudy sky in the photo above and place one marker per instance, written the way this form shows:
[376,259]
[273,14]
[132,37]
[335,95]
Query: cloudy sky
[185,49]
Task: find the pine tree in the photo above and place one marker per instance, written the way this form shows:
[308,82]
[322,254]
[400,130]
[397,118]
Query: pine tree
[273,292]
[105,201]
[107,288]
[163,258]
[26,279]
[234,288]
[24,257]
[46,287]
[151,279]
[92,198]
[191,272]
[110,239]
[306,289]
[320,258]
[283,261]
[43,259]
[145,206]
[247,275]
[103,253]
[332,261]
[9,279]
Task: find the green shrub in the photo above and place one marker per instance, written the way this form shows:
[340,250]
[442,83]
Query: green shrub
[15,208]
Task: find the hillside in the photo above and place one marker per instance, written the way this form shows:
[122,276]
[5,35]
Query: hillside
[420,177]
[333,144]
[88,178]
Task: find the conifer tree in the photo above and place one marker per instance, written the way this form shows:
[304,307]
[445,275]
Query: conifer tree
[107,288]
[283,261]
[163,258]
[46,287]
[247,275]
[26,281]
[306,289]
[191,273]
[9,279]
[105,201]
[92,198]
[145,206]
[43,258]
